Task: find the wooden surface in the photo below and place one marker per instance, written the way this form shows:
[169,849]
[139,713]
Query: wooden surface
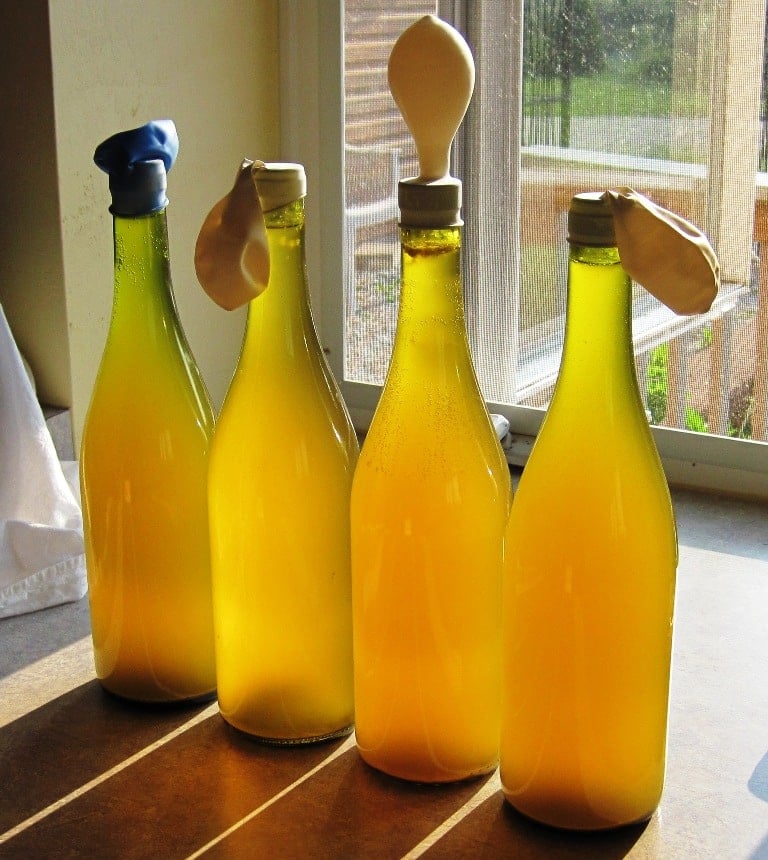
[85,775]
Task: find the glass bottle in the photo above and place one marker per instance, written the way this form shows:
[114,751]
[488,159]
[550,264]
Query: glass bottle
[591,554]
[279,483]
[430,500]
[144,455]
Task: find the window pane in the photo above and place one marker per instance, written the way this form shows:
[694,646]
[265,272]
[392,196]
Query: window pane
[628,92]
[615,92]
[378,152]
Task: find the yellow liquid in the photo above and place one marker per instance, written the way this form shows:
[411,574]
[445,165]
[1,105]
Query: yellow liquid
[589,587]
[143,467]
[280,478]
[429,504]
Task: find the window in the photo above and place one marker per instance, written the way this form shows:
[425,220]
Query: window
[571,95]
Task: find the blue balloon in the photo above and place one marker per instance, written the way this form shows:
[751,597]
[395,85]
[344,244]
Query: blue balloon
[156,139]
[137,162]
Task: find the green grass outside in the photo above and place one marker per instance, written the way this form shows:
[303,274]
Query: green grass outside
[620,92]
[604,95]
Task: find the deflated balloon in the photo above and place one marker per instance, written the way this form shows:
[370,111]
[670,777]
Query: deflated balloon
[231,254]
[664,252]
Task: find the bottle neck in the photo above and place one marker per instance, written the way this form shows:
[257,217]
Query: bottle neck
[280,319]
[431,311]
[598,330]
[430,349]
[143,287]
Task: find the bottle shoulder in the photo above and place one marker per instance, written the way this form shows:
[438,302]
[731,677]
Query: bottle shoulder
[600,477]
[150,388]
[282,410]
[434,446]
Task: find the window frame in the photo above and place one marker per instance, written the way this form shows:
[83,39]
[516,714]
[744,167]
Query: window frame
[312,132]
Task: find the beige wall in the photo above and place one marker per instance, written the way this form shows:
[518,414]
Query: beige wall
[210,65]
[31,261]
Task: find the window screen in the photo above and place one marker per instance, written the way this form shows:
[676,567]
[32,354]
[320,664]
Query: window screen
[666,96]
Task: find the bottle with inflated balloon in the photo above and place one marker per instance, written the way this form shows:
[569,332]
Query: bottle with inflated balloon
[431,492]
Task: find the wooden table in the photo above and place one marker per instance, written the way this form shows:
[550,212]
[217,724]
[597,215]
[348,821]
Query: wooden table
[85,775]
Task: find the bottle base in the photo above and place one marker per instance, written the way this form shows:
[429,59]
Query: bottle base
[580,824]
[201,699]
[422,779]
[291,742]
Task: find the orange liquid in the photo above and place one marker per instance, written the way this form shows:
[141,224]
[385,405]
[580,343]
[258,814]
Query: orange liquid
[429,504]
[280,479]
[589,589]
[143,467]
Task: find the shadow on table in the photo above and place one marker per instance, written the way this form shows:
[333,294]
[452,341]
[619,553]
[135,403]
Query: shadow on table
[109,779]
[758,785]
[494,829]
[70,741]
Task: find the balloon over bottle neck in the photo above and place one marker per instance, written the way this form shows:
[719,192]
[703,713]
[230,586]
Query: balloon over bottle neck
[666,254]
[279,183]
[431,77]
[137,162]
